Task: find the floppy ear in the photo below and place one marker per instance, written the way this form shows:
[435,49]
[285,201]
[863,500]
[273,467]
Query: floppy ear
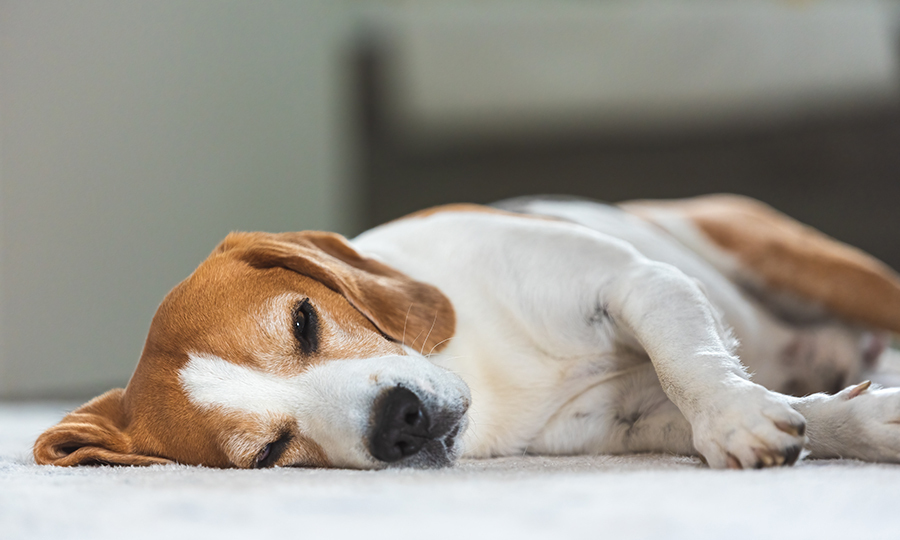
[405,310]
[91,435]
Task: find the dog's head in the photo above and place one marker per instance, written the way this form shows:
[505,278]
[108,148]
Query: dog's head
[281,349]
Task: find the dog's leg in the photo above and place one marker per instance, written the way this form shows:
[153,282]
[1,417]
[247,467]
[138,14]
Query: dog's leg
[634,415]
[579,293]
[735,423]
[861,422]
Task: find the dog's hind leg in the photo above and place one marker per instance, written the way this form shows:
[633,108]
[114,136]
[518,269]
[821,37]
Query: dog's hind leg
[861,422]
[632,414]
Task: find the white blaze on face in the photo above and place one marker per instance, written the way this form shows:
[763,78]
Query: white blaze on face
[331,401]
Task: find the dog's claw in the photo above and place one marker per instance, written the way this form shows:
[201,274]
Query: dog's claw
[859,389]
[795,430]
[753,429]
[765,459]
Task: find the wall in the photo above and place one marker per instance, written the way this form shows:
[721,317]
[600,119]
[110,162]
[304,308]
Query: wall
[133,137]
[641,99]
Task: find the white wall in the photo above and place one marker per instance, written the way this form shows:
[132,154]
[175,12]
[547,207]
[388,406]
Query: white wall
[133,137]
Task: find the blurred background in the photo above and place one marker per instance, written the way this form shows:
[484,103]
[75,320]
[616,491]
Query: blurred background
[135,135]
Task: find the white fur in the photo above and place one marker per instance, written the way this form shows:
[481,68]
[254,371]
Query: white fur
[331,402]
[555,321]
[847,425]
[212,382]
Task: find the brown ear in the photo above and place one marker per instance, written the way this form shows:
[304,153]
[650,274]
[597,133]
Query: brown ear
[405,310]
[91,435]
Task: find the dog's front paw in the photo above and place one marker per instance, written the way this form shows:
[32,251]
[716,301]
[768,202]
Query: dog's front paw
[858,422]
[749,427]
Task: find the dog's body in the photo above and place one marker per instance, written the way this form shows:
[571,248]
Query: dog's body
[562,326]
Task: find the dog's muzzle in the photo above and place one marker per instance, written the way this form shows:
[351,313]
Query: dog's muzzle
[406,431]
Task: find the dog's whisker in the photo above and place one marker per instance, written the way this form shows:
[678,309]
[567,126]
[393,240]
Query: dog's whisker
[438,344]
[405,321]
[415,340]
[425,341]
[457,357]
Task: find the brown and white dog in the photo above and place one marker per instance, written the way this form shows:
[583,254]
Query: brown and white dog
[541,326]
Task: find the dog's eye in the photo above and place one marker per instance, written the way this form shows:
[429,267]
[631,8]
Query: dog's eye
[272,451]
[305,326]
[264,455]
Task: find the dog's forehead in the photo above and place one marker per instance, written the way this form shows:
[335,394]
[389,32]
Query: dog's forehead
[225,282]
[225,299]
[244,314]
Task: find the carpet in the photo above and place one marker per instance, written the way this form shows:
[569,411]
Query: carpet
[616,497]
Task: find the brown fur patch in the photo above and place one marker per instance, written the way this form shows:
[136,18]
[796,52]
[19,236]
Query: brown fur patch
[792,257]
[238,305]
[93,434]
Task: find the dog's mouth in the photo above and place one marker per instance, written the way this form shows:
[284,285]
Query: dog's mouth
[409,431]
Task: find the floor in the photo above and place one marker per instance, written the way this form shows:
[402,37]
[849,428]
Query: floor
[645,496]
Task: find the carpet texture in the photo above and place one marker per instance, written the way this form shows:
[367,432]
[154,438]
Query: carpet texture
[616,497]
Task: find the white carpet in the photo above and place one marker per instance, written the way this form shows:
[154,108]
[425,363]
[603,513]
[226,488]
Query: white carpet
[647,496]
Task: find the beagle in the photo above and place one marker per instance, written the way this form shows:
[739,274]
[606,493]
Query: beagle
[714,327]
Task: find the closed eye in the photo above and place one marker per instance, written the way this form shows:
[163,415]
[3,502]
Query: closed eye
[305,325]
[269,455]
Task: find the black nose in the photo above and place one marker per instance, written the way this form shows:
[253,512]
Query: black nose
[400,427]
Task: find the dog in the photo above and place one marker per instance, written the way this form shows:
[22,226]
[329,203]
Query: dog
[714,327]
